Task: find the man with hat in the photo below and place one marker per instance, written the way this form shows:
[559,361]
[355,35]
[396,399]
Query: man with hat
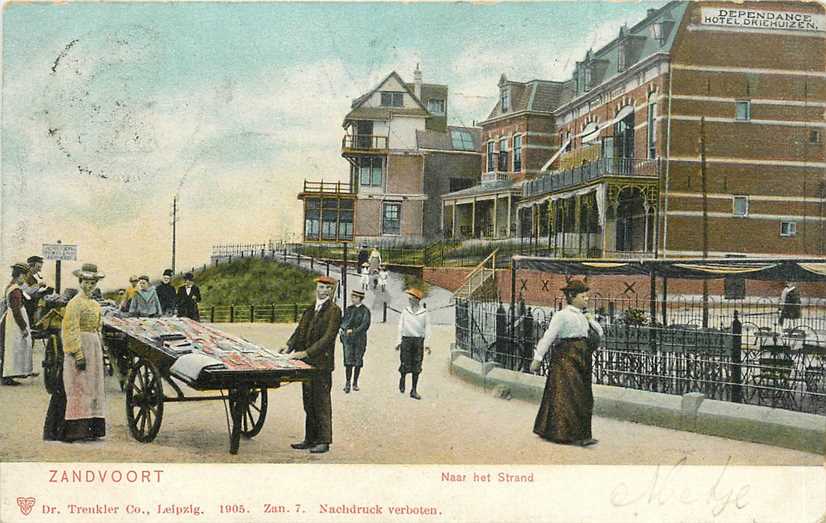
[414,331]
[34,286]
[314,341]
[189,295]
[567,404]
[354,338]
[166,294]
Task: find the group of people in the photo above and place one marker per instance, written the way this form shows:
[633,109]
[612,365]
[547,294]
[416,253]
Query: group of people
[314,341]
[373,272]
[142,299]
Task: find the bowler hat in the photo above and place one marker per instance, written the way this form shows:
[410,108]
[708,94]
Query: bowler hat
[34,259]
[168,272]
[189,277]
[358,293]
[416,293]
[88,271]
[325,280]
[574,287]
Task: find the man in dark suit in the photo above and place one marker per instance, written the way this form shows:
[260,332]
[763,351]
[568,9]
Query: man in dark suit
[189,295]
[166,293]
[314,341]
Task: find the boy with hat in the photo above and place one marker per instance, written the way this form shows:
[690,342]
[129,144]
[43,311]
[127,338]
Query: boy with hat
[354,338]
[314,341]
[414,331]
[166,294]
[567,404]
[189,295]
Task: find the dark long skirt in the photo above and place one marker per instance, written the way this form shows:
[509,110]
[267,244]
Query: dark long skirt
[567,405]
[411,355]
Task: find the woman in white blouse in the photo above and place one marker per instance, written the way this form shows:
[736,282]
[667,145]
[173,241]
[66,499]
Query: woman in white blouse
[567,405]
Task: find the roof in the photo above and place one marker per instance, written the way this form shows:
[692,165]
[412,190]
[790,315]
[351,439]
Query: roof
[536,95]
[640,45]
[430,139]
[498,186]
[383,113]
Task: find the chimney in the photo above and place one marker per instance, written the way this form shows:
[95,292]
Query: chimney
[417,81]
[650,12]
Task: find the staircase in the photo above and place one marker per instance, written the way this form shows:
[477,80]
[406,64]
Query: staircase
[481,282]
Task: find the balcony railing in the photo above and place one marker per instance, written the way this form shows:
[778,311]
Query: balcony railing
[364,142]
[494,176]
[328,187]
[561,180]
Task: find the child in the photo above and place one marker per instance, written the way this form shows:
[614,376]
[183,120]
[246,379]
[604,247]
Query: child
[365,276]
[383,277]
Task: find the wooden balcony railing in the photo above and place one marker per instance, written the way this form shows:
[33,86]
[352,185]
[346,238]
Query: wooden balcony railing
[328,187]
[364,142]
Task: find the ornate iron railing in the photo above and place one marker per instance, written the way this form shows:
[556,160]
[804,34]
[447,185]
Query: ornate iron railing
[604,167]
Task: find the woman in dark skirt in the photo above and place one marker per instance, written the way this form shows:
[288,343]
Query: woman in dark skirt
[567,405]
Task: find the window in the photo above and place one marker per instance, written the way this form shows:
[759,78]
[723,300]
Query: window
[345,220]
[517,153]
[462,140]
[312,225]
[392,99]
[391,218]
[457,184]
[503,155]
[740,205]
[329,219]
[814,136]
[788,228]
[505,99]
[491,166]
[742,109]
[652,128]
[370,171]
[436,106]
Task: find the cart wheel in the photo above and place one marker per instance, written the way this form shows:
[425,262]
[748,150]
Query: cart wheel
[144,401]
[254,413]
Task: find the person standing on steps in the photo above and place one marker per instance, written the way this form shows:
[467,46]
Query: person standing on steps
[567,404]
[314,341]
[354,338]
[414,332]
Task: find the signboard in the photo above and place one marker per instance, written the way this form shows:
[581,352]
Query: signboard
[59,251]
[760,19]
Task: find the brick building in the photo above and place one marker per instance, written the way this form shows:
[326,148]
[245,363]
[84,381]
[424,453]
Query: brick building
[402,156]
[626,178]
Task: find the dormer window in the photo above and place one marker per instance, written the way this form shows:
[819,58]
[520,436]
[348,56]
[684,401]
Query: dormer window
[505,99]
[621,58]
[436,106]
[392,99]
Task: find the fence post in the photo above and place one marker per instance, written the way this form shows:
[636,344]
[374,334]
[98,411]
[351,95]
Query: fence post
[212,314]
[232,313]
[252,313]
[272,314]
[344,279]
[327,263]
[384,313]
[295,313]
[312,263]
[285,253]
[505,347]
[736,359]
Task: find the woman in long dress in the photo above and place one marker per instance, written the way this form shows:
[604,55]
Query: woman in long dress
[14,330]
[567,404]
[83,362]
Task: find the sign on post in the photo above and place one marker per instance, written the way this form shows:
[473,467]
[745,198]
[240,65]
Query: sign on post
[60,251]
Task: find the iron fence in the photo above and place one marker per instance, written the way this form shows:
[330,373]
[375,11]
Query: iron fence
[782,368]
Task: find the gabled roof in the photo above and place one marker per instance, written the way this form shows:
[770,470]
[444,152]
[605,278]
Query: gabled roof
[379,113]
[430,139]
[541,96]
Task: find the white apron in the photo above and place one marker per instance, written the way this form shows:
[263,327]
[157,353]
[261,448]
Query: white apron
[17,355]
[84,389]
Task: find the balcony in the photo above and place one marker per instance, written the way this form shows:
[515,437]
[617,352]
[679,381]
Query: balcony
[363,144]
[589,172]
[333,188]
[494,176]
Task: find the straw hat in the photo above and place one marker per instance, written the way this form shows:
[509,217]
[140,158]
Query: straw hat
[416,293]
[358,293]
[88,271]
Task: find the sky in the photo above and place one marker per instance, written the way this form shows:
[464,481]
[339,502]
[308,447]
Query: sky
[111,110]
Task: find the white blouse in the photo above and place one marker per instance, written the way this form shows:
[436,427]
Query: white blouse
[570,322]
[414,324]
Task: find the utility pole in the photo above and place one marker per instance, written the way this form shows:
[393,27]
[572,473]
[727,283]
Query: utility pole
[705,213]
[174,226]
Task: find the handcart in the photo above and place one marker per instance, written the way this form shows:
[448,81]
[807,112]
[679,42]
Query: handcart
[155,348]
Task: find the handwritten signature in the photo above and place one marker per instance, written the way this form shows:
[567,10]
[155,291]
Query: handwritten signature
[668,486]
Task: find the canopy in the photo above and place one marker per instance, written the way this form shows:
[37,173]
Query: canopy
[774,269]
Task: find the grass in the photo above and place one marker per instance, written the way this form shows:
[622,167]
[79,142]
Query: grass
[254,281]
[415,281]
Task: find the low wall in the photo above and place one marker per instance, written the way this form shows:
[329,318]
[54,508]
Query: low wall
[541,288]
[691,412]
